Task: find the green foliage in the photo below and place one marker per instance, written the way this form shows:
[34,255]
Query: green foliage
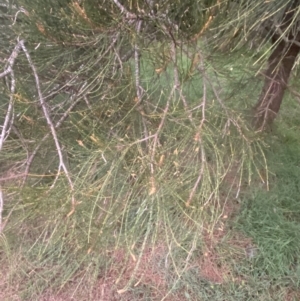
[121,206]
[156,146]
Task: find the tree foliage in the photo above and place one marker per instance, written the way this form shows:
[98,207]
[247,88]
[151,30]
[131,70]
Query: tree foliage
[115,114]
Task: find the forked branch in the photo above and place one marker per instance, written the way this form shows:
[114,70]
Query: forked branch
[8,120]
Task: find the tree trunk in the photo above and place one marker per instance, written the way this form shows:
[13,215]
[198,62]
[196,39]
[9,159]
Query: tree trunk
[280,65]
[277,75]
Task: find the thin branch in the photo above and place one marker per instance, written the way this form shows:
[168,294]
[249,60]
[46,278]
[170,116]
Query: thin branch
[57,125]
[201,172]
[137,55]
[50,124]
[137,74]
[155,142]
[21,10]
[8,121]
[124,10]
[284,37]
[198,137]
[87,103]
[176,76]
[112,44]
[294,92]
[5,72]
[203,107]
[12,58]
[9,114]
[174,59]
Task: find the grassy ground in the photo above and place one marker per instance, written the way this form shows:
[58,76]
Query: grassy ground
[132,237]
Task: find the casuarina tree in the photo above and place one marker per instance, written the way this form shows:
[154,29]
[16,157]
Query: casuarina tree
[275,25]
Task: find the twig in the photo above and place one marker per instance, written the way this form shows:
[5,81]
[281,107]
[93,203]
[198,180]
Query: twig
[50,124]
[124,10]
[141,140]
[155,142]
[137,55]
[112,44]
[12,58]
[15,176]
[293,92]
[198,138]
[201,172]
[216,93]
[8,121]
[137,74]
[9,114]
[284,37]
[155,139]
[57,125]
[203,107]
[176,75]
[184,269]
[87,102]
[174,59]
[21,10]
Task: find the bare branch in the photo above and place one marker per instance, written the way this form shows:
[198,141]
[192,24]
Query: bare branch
[5,72]
[177,81]
[9,114]
[21,10]
[124,10]
[156,141]
[137,65]
[11,60]
[8,121]
[198,137]
[137,73]
[57,125]
[203,107]
[201,172]
[284,37]
[50,123]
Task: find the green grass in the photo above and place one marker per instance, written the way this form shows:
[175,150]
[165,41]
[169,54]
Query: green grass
[272,218]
